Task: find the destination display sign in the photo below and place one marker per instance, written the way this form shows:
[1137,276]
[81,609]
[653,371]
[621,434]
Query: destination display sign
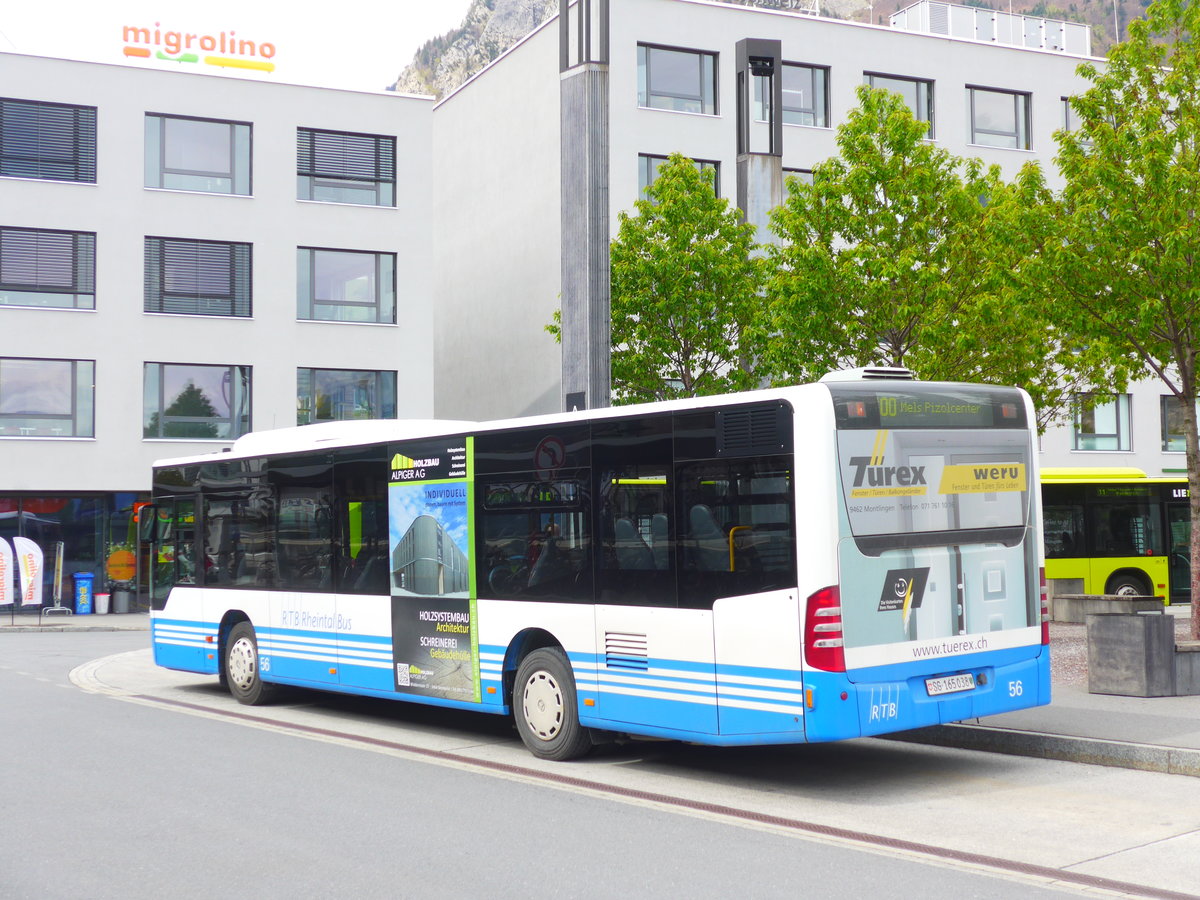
[859,406]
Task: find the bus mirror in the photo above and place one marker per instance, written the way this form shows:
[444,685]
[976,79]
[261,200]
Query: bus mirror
[148,524]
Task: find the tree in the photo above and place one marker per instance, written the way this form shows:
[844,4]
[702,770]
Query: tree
[901,254]
[1121,269]
[685,283]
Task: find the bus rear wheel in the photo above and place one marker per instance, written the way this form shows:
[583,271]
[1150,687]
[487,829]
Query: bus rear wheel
[1128,586]
[241,667]
[546,707]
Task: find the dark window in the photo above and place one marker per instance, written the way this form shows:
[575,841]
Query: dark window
[1173,440]
[47,268]
[239,549]
[917,94]
[332,395]
[534,539]
[341,167]
[636,553]
[649,163]
[735,533]
[361,510]
[52,141]
[1102,425]
[346,285]
[805,95]
[195,402]
[47,397]
[304,525]
[999,118]
[187,154]
[200,278]
[680,80]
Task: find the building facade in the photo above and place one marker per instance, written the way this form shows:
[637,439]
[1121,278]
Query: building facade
[186,258]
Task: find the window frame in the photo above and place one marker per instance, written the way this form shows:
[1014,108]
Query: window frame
[243,397]
[82,290]
[821,121]
[157,170]
[869,78]
[76,161]
[709,105]
[649,164]
[1022,119]
[306,287]
[1123,419]
[382,184]
[82,415]
[157,297]
[1168,408]
[380,396]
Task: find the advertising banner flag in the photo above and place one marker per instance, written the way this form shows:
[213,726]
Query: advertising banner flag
[29,564]
[6,573]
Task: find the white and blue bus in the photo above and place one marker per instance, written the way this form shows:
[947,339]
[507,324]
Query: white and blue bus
[847,558]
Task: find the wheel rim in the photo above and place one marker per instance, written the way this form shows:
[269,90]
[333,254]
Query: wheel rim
[1128,590]
[542,704]
[242,663]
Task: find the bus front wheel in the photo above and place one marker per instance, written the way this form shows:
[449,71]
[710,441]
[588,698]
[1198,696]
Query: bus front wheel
[241,667]
[1128,586]
[546,707]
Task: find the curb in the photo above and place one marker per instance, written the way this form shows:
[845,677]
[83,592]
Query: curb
[30,629]
[1094,751]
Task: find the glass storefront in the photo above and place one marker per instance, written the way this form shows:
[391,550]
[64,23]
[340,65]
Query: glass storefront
[97,532]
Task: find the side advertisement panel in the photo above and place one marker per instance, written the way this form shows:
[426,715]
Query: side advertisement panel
[435,637]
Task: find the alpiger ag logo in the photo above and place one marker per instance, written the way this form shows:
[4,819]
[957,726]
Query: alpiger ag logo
[903,590]
[871,478]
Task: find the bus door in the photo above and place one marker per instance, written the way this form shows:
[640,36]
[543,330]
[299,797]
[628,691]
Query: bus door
[1179,544]
[654,659]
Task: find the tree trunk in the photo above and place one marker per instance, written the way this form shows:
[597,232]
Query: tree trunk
[1193,469]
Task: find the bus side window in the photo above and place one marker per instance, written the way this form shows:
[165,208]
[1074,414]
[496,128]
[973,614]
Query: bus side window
[737,536]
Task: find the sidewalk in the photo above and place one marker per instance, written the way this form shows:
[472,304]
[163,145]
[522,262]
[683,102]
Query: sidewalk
[1160,734]
[26,622]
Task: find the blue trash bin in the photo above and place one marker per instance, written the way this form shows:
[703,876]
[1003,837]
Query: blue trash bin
[83,592]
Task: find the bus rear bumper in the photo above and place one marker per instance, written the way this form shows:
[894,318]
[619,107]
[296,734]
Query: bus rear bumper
[1003,682]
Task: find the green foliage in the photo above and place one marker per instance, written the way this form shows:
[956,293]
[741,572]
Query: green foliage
[1121,268]
[685,282]
[900,254]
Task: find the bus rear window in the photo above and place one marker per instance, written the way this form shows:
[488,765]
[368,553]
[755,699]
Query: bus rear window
[912,488]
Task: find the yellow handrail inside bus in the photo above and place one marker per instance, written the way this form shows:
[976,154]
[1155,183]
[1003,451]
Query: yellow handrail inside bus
[732,531]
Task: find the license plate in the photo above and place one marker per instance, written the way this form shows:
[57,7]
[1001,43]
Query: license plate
[950,684]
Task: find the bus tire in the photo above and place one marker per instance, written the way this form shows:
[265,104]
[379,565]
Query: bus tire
[1128,586]
[241,667]
[546,707]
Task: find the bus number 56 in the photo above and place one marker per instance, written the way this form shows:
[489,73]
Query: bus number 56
[1016,688]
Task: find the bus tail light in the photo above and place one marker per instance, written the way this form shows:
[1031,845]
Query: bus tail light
[824,644]
[1045,608]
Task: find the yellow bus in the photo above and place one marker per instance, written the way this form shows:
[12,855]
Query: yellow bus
[1118,531]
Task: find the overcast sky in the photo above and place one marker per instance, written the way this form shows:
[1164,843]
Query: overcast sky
[358,44]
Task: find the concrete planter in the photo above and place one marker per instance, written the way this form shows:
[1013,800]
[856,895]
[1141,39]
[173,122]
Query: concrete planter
[1131,655]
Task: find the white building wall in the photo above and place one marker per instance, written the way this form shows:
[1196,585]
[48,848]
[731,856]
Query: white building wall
[496,232]
[496,163]
[121,337]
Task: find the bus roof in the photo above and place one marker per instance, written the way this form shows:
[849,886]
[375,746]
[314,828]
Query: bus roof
[1102,475]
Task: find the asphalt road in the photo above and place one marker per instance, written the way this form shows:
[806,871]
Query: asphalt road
[124,780]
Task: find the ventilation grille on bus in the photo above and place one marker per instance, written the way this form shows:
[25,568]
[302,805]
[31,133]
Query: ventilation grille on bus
[751,431]
[870,373]
[625,651]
